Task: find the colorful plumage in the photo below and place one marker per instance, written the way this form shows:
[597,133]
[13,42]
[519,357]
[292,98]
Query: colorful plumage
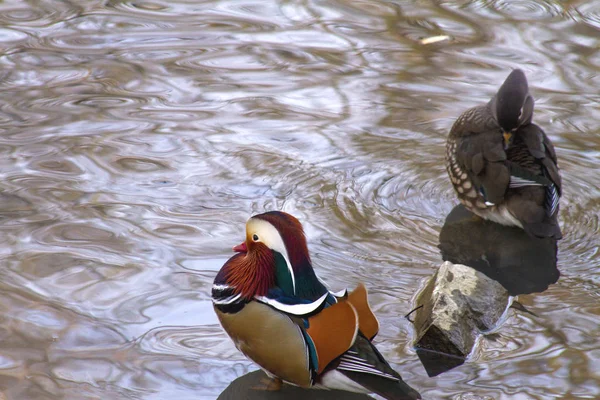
[281,316]
[502,166]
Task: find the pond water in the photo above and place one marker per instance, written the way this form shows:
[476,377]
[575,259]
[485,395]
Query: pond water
[138,137]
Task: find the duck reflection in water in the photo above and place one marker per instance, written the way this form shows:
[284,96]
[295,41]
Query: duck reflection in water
[498,256]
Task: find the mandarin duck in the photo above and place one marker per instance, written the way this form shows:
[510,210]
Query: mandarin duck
[502,166]
[280,315]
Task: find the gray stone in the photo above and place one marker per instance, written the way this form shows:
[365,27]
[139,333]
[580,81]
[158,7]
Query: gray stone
[457,305]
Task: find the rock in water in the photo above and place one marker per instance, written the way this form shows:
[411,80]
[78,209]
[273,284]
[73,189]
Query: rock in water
[458,304]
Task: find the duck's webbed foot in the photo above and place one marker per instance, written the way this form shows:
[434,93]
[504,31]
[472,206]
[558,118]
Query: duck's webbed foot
[268,384]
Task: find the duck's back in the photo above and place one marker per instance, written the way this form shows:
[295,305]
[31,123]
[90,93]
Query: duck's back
[535,184]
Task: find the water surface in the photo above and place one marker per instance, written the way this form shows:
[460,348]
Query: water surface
[138,137]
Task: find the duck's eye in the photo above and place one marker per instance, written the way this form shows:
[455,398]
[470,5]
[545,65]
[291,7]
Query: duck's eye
[255,237]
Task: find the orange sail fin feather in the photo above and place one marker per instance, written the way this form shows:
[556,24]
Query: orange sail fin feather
[367,321]
[333,332]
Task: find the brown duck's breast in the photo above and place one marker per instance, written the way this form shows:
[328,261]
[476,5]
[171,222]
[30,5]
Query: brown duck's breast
[270,339]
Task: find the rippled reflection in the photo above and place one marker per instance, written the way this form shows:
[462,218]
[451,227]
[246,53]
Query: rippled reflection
[137,138]
[520,263]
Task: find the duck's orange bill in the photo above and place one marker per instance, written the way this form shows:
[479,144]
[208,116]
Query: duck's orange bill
[507,139]
[241,248]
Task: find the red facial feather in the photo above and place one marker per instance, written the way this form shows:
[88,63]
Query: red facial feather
[253,274]
[292,234]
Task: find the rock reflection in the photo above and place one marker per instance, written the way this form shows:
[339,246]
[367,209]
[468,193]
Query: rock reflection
[248,387]
[518,262]
[484,263]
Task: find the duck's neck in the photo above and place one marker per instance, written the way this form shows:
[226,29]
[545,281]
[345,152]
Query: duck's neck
[304,283]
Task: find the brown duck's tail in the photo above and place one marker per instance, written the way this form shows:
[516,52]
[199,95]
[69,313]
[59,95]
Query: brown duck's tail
[528,207]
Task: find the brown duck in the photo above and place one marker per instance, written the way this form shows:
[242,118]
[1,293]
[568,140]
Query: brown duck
[502,166]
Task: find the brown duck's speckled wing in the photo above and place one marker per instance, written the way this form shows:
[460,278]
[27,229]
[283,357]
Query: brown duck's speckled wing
[536,206]
[542,149]
[483,158]
[479,151]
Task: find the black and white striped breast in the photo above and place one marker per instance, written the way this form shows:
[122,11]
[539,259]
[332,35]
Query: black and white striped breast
[226,300]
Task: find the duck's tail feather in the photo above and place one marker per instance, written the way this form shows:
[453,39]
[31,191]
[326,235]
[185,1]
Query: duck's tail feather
[387,388]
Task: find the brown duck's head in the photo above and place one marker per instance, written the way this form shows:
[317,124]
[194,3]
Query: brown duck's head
[513,106]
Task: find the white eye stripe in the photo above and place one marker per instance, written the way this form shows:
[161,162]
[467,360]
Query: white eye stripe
[270,236]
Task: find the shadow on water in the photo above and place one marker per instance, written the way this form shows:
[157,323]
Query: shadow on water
[519,263]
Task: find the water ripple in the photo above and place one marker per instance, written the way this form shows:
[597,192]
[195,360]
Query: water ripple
[138,137]
[528,10]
